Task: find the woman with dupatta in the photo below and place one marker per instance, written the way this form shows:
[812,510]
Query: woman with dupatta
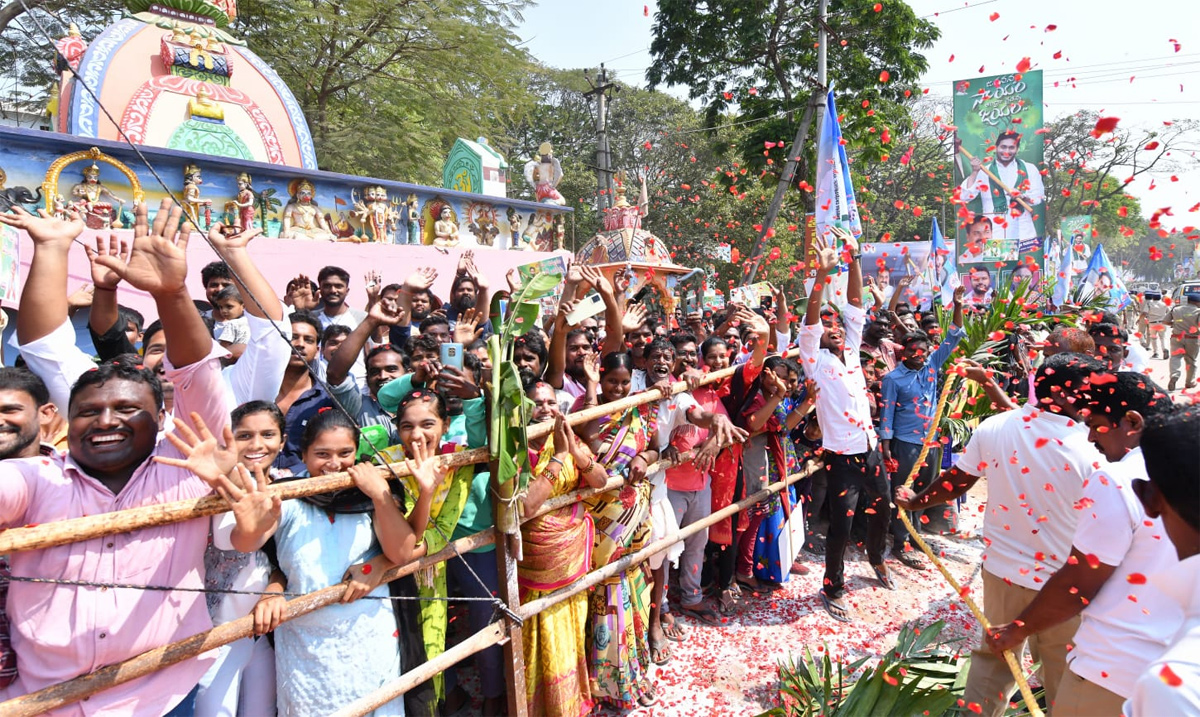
[557,549]
[618,626]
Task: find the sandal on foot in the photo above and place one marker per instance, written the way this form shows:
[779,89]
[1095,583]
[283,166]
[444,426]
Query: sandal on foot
[674,630]
[660,654]
[701,613]
[727,602]
[834,607]
[909,559]
[649,696]
[881,574]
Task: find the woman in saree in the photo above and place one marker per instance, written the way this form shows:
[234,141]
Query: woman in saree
[774,414]
[557,550]
[618,623]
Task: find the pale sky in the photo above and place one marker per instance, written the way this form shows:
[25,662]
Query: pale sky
[1103,45]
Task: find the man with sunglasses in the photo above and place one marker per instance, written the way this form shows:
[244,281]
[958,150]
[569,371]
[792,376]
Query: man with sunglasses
[1124,622]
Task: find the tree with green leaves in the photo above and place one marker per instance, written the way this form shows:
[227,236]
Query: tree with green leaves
[760,56]
[383,82]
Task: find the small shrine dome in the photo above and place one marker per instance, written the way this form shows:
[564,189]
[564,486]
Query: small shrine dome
[173,77]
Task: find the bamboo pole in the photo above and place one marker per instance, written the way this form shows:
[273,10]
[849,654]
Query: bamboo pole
[598,576]
[999,181]
[74,690]
[74,530]
[491,635]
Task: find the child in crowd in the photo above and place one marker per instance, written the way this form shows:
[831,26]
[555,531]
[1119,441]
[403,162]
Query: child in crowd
[229,311]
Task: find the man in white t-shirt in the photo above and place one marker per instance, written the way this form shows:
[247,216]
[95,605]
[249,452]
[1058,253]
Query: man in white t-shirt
[1035,459]
[1170,685]
[1125,623]
[829,355]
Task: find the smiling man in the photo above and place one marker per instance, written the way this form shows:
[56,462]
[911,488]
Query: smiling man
[115,411]
[1021,183]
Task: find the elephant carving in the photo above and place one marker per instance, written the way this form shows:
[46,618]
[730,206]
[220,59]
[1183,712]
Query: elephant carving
[13,196]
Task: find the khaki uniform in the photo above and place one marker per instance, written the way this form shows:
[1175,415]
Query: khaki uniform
[1185,342]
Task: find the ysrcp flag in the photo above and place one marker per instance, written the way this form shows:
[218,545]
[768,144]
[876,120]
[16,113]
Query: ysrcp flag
[1104,281]
[836,205]
[943,269]
[1062,285]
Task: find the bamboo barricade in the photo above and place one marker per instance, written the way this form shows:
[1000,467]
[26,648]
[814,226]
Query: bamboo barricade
[480,640]
[74,530]
[1010,659]
[141,665]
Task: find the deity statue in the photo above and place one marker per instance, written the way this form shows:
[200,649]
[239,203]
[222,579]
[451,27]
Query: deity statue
[87,197]
[302,218]
[445,231]
[514,227]
[204,106]
[544,172]
[191,197]
[244,202]
[413,215]
[374,215]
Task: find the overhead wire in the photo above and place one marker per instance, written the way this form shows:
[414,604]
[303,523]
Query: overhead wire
[317,380]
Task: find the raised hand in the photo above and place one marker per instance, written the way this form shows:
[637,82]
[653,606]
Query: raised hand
[44,229]
[202,453]
[513,277]
[905,282]
[960,292]
[385,313]
[158,262]
[81,297]
[827,256]
[635,316]
[425,467]
[597,279]
[621,281]
[848,240]
[102,276]
[591,368]
[457,382]
[467,329]
[374,286]
[421,279]
[466,262]
[223,242]
[256,510]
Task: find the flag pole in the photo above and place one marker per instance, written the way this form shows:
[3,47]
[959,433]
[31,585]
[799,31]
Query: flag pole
[817,99]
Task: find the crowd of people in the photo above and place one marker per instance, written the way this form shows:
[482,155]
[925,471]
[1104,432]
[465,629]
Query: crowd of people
[1090,469]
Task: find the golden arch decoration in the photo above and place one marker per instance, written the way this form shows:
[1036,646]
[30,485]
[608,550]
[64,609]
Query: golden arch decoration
[50,183]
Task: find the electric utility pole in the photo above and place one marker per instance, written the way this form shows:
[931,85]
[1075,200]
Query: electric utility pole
[816,102]
[604,172]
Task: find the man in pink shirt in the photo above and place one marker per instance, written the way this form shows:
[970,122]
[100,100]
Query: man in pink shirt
[114,413]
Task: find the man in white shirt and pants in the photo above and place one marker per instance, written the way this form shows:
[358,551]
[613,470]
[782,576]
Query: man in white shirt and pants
[829,355]
[1125,623]
[1035,459]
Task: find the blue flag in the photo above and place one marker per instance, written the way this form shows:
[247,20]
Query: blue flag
[943,267]
[1101,277]
[836,205]
[1062,285]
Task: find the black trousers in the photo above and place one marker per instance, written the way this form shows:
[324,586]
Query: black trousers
[850,476]
[906,455]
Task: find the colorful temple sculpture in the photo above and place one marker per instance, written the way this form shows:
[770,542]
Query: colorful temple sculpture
[220,126]
[624,246]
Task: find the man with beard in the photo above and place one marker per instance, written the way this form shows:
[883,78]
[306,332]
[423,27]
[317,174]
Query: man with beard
[468,291]
[981,286]
[256,375]
[1036,460]
[115,411]
[299,396]
[334,283]
[384,363]
[1022,182]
